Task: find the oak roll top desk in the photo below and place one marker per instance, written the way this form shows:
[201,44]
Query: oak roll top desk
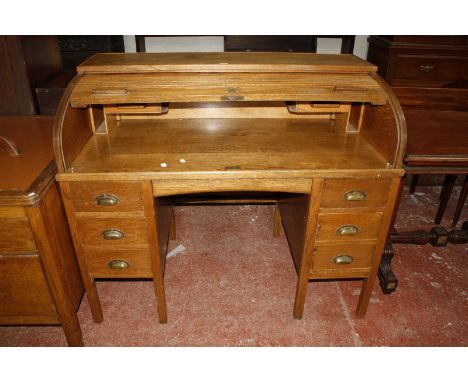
[322,134]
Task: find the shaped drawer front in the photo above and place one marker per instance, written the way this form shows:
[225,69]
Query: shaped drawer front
[107,196]
[107,233]
[119,263]
[23,288]
[16,235]
[342,258]
[344,193]
[348,226]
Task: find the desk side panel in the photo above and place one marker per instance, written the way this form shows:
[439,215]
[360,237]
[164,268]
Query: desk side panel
[72,130]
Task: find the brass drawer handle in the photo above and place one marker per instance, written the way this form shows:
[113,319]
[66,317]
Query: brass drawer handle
[355,196]
[343,259]
[112,234]
[118,264]
[232,98]
[426,68]
[347,230]
[106,200]
[9,146]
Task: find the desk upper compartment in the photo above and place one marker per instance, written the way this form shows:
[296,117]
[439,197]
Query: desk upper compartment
[295,113]
[209,77]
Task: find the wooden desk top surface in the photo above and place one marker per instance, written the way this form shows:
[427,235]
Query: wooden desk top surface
[23,176]
[225,62]
[437,137]
[218,145]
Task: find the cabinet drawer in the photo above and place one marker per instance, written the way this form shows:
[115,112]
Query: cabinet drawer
[16,235]
[344,193]
[23,288]
[107,196]
[342,258]
[429,68]
[113,232]
[119,263]
[348,226]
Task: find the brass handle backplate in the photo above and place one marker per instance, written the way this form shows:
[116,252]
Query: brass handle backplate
[106,200]
[426,68]
[343,259]
[118,264]
[355,196]
[112,234]
[347,230]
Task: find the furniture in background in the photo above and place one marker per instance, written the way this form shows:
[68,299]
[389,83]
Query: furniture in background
[321,135]
[429,75]
[40,281]
[268,43]
[73,51]
[26,63]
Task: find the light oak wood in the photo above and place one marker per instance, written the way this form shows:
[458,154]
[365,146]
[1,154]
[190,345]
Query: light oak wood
[208,87]
[302,131]
[335,190]
[368,225]
[324,255]
[129,194]
[139,263]
[224,62]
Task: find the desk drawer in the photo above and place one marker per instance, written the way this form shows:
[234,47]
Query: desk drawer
[428,68]
[348,226]
[344,193]
[107,196]
[342,259]
[16,235]
[119,263]
[108,233]
[23,288]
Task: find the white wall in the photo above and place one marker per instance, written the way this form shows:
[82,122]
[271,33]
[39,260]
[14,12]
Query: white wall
[215,44]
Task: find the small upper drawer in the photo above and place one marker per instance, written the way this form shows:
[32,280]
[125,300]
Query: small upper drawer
[342,258]
[107,196]
[348,226]
[343,193]
[430,69]
[113,232]
[16,235]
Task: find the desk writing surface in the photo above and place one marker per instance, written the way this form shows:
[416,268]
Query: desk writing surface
[213,144]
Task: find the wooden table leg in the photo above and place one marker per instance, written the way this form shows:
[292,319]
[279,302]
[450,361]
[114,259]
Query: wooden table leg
[461,202]
[447,188]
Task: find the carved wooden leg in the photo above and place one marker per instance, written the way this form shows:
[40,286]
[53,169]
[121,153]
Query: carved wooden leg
[449,181]
[414,183]
[461,202]
[277,222]
[387,278]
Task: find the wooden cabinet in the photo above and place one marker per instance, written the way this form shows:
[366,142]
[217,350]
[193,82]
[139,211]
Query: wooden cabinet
[40,281]
[322,136]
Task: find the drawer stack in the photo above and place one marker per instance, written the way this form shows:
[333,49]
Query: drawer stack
[24,292]
[111,228]
[349,222]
